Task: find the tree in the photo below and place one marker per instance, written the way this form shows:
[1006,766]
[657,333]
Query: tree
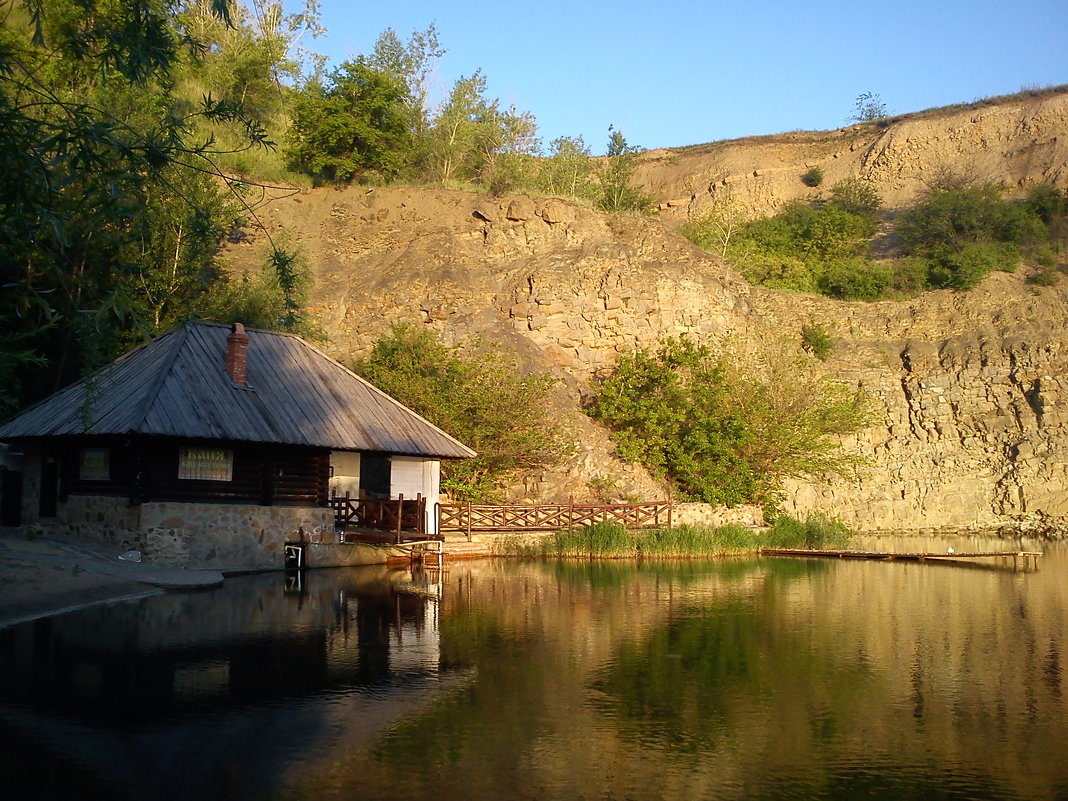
[477,393]
[411,62]
[714,230]
[721,433]
[355,126]
[109,215]
[569,170]
[616,192]
[869,107]
[470,131]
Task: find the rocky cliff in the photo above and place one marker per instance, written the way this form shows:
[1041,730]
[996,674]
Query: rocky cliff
[969,387]
[1016,142]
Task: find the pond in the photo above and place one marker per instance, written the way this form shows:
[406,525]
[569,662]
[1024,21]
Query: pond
[748,678]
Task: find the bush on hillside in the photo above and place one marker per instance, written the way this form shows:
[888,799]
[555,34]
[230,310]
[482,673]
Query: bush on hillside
[855,279]
[964,268]
[478,394]
[857,197]
[722,434]
[813,176]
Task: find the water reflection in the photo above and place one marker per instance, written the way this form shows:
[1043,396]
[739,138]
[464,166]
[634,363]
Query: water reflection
[742,679]
[211,694]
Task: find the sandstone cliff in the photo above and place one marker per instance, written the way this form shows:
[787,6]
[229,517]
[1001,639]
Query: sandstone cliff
[970,387]
[1015,143]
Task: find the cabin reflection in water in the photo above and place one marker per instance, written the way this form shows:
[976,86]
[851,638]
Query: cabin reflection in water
[139,692]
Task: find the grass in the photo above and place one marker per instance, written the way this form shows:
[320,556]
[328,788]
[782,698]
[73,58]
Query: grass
[613,541]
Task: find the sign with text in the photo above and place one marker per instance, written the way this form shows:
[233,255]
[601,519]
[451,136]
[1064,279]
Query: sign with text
[93,465]
[206,464]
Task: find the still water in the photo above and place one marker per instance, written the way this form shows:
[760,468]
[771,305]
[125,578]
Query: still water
[739,679]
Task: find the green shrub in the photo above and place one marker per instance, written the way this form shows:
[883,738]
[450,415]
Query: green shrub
[477,393]
[816,340]
[613,541]
[1046,202]
[815,532]
[721,434]
[792,249]
[1046,276]
[910,275]
[950,218]
[857,197]
[855,279]
[964,268]
[813,176]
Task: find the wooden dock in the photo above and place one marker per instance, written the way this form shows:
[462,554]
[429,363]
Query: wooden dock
[1019,558]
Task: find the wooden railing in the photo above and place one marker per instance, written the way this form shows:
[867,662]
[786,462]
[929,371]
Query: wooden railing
[550,517]
[402,517]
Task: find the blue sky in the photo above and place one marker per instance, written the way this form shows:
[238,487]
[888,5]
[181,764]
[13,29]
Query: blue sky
[678,73]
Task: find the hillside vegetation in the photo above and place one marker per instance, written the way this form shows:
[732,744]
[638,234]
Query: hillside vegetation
[172,160]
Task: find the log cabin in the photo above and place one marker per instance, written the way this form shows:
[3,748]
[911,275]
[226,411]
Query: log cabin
[214,445]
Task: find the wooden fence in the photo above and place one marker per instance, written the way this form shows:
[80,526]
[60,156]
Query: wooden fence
[469,518]
[401,517]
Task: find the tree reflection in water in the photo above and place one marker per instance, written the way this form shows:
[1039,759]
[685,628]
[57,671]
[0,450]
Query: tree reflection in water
[739,679]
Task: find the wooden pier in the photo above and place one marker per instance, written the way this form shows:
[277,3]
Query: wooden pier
[1019,558]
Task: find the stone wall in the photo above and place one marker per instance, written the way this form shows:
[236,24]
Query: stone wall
[201,536]
[225,537]
[705,514]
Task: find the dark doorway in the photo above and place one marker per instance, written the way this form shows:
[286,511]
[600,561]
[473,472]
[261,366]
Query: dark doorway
[10,497]
[374,476]
[49,485]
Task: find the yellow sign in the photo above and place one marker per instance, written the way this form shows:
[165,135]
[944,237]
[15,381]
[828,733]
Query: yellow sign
[94,465]
[206,464]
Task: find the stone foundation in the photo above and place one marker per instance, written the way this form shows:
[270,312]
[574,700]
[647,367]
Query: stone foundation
[199,536]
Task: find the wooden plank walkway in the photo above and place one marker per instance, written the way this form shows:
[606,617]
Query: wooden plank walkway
[1018,557]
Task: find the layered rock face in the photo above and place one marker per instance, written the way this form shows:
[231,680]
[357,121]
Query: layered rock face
[971,395]
[968,388]
[1015,143]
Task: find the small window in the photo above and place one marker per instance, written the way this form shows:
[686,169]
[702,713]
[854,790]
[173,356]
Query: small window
[93,465]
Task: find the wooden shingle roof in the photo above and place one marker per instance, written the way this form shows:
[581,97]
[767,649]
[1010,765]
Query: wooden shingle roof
[178,386]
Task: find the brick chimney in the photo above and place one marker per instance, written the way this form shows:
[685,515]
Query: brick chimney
[237,354]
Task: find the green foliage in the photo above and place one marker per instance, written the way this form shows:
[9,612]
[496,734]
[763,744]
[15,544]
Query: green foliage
[470,131]
[963,232]
[963,268]
[715,230]
[795,248]
[948,218]
[720,434]
[1046,276]
[857,197]
[813,176]
[816,340]
[569,171]
[111,214]
[815,532]
[412,63]
[615,179]
[869,107]
[273,297]
[248,62]
[357,125]
[614,541]
[1046,202]
[478,394]
[855,279]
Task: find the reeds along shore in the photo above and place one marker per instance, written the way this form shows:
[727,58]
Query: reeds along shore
[613,541]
